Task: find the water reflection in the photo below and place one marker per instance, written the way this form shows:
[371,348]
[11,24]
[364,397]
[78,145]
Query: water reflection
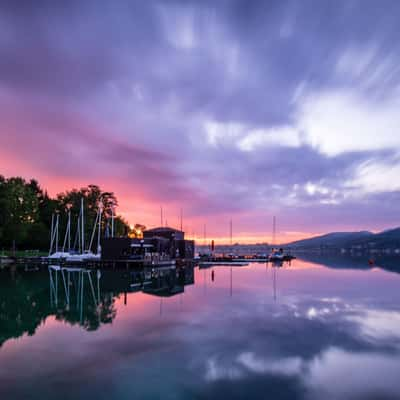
[302,331]
[77,296]
[360,261]
[74,299]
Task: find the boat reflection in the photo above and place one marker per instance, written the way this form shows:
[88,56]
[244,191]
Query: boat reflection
[77,296]
[293,331]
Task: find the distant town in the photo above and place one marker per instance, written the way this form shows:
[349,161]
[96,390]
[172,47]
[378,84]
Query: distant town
[351,243]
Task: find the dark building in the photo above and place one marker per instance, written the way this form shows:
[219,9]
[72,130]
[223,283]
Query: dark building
[184,249]
[126,248]
[165,232]
[168,281]
[159,243]
[179,247]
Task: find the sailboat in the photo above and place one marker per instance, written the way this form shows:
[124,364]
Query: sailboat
[54,238]
[87,254]
[82,253]
[276,255]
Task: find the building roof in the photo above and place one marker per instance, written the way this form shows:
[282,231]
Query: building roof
[163,229]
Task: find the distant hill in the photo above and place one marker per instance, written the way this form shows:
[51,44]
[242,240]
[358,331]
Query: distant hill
[386,239]
[334,239]
[389,239]
[363,241]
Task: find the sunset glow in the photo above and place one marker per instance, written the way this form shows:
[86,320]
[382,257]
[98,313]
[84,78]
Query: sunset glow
[222,110]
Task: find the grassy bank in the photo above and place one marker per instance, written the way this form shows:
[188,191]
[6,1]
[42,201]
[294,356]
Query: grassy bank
[23,253]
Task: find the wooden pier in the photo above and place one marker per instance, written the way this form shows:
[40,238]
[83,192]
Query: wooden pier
[95,264]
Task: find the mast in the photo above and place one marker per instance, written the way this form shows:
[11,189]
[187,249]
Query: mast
[93,231]
[69,230]
[273,230]
[67,234]
[181,219]
[57,220]
[162,221]
[78,227]
[99,232]
[77,239]
[51,233]
[230,230]
[231,288]
[82,227]
[112,221]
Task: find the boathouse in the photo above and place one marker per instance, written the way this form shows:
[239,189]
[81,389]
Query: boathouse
[164,232]
[163,243]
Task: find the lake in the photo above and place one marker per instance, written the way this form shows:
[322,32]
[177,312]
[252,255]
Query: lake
[307,330]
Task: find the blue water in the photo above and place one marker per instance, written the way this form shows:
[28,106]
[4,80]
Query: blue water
[304,331]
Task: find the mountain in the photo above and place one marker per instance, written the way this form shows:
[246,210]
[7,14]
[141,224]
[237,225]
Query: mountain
[386,239]
[334,239]
[364,240]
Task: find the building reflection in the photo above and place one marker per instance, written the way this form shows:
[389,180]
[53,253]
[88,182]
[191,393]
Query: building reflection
[168,281]
[78,296]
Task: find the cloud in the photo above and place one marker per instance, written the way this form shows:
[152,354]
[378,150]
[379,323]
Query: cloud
[179,26]
[361,375]
[379,325]
[335,122]
[227,108]
[259,138]
[288,366]
[374,176]
[248,138]
[214,372]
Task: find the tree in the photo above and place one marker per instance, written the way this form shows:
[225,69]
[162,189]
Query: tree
[3,211]
[19,210]
[121,227]
[26,212]
[93,199]
[40,230]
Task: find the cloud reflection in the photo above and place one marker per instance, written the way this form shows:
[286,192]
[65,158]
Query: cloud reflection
[334,374]
[379,325]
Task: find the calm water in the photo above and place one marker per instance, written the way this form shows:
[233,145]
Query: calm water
[305,331]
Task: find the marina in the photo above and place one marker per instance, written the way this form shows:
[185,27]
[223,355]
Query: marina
[199,200]
[180,329]
[157,247]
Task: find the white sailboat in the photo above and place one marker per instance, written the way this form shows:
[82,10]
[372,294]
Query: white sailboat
[87,254]
[54,240]
[66,252]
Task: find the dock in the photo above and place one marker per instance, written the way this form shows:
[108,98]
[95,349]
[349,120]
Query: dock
[92,264]
[222,264]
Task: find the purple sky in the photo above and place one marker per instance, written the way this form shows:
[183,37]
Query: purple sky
[229,109]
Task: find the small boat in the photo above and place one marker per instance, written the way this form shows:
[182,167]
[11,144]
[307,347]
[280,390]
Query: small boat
[83,257]
[59,254]
[70,255]
[276,255]
[4,260]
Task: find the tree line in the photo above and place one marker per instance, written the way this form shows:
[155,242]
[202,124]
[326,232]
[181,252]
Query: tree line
[26,212]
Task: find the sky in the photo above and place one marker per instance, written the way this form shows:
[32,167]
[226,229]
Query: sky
[227,109]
